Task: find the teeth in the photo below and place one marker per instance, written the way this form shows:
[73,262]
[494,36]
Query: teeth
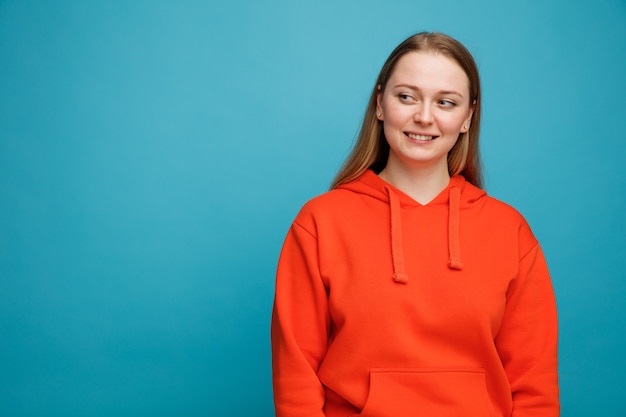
[419,137]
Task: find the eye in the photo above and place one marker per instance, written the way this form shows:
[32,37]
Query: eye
[447,103]
[406,97]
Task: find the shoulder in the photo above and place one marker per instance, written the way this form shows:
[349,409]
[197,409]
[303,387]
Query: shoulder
[503,215]
[325,205]
[503,210]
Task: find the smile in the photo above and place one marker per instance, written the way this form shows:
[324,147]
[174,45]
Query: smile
[423,138]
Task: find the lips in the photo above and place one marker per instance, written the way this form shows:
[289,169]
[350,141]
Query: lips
[421,138]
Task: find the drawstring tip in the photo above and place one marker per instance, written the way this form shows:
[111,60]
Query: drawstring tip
[455,263]
[400,278]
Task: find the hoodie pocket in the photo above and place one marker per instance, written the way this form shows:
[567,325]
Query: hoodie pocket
[428,392]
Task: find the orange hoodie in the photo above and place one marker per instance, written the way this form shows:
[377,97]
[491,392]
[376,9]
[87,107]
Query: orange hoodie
[388,308]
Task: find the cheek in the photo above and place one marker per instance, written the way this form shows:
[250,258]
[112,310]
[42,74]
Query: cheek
[396,113]
[390,130]
[451,124]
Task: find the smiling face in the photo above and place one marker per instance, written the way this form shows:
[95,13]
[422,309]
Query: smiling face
[425,106]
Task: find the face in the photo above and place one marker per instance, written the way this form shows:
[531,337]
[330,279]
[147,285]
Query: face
[424,108]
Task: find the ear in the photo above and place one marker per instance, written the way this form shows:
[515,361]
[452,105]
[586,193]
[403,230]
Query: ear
[468,122]
[379,104]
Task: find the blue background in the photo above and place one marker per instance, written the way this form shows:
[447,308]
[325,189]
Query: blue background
[153,155]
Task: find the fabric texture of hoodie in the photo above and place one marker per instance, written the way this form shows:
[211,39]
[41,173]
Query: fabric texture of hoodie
[385,307]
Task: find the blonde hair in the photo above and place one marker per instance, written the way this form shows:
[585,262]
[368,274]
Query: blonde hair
[372,150]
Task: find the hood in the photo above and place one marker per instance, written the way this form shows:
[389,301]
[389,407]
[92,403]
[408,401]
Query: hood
[457,195]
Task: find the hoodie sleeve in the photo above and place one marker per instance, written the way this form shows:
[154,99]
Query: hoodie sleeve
[300,327]
[527,341]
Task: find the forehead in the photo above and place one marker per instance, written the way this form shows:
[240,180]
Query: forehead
[429,70]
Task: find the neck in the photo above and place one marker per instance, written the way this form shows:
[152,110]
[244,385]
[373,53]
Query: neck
[421,184]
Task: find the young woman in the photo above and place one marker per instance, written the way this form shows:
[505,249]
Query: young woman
[406,290]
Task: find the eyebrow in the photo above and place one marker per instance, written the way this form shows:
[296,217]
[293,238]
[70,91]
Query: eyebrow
[413,87]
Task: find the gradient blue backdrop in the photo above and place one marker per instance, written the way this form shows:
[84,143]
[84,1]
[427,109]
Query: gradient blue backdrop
[153,155]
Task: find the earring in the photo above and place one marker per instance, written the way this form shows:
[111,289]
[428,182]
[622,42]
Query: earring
[379,115]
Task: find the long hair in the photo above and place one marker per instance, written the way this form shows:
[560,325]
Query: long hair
[371,150]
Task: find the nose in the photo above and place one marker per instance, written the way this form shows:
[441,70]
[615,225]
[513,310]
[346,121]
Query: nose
[423,114]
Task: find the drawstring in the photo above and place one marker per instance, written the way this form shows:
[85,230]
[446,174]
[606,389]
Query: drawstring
[454,244]
[397,254]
